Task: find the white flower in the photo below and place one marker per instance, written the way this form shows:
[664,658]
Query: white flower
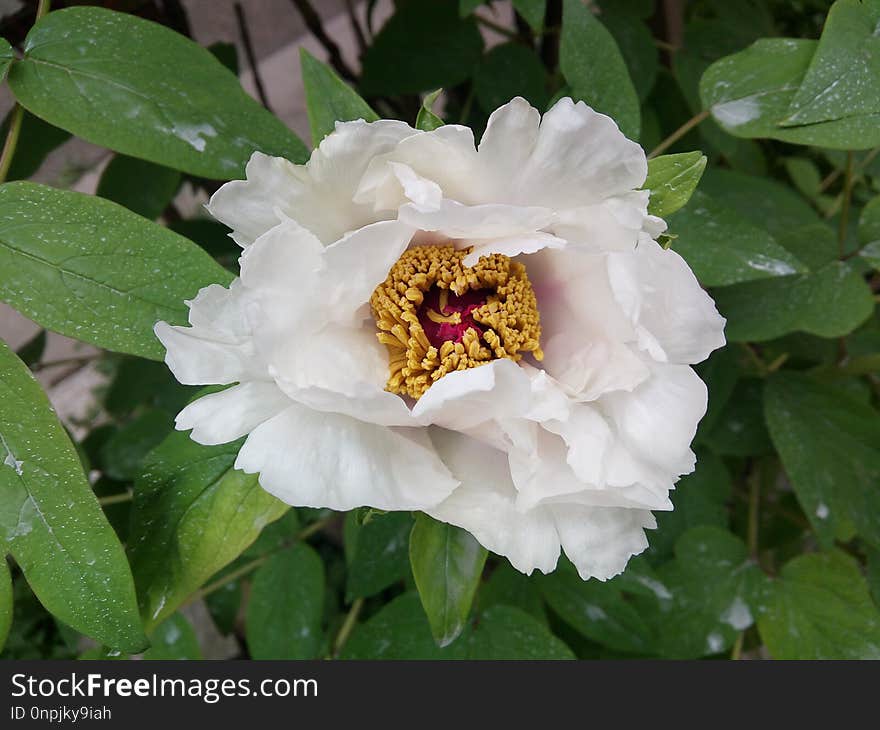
[564,414]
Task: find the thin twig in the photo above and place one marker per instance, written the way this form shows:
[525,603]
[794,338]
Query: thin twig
[11,141]
[316,28]
[85,359]
[42,9]
[359,35]
[116,498]
[347,626]
[738,646]
[679,133]
[249,53]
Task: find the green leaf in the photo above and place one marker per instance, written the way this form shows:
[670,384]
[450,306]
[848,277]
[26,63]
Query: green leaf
[426,120]
[224,604]
[286,606]
[466,7]
[672,180]
[749,94]
[594,68]
[104,275]
[820,608]
[381,555]
[36,140]
[329,99]
[51,522]
[142,89]
[830,303]
[422,47]
[699,499]
[142,187]
[400,631]
[830,447]
[722,247]
[636,45]
[507,71]
[447,563]
[6,603]
[192,514]
[739,429]
[843,79]
[174,638]
[123,452]
[508,587]
[597,610]
[709,595]
[6,59]
[869,232]
[32,350]
[532,12]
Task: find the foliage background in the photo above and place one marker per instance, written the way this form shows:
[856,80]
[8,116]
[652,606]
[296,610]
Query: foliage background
[129,533]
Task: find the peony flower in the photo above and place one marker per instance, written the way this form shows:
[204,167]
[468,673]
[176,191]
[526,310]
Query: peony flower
[489,334]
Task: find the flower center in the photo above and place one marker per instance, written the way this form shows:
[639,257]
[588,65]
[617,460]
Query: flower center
[437,315]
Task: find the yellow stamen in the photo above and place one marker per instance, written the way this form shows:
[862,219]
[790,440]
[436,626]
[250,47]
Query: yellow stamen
[509,318]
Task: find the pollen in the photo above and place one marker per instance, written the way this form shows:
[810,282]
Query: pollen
[436,315]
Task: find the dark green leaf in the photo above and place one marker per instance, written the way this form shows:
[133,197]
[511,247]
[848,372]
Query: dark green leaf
[329,99]
[636,45]
[830,303]
[51,522]
[6,58]
[739,429]
[422,47]
[830,446]
[447,563]
[722,247]
[400,631]
[224,604]
[507,71]
[37,140]
[869,232]
[286,606]
[508,587]
[192,514]
[594,68]
[6,604]
[142,187]
[32,350]
[381,555]
[426,120]
[672,180]
[142,89]
[123,452]
[104,275]
[819,608]
[532,12]
[174,638]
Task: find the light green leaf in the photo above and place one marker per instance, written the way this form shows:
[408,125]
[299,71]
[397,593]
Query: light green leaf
[722,247]
[532,12]
[329,99]
[830,447]
[507,71]
[830,303]
[141,186]
[594,68]
[672,180]
[400,631]
[843,79]
[142,89]
[90,269]
[380,556]
[6,58]
[705,597]
[6,604]
[51,522]
[286,606]
[597,610]
[820,608]
[447,563]
[422,47]
[426,120]
[192,514]
[749,94]
[174,638]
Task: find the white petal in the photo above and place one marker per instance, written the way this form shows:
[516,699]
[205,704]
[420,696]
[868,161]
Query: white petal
[658,420]
[491,220]
[217,348]
[677,320]
[511,246]
[484,505]
[611,225]
[601,540]
[225,416]
[318,195]
[313,459]
[466,398]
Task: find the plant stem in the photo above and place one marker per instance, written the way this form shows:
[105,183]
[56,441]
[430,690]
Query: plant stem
[847,198]
[679,133]
[116,498]
[45,365]
[42,9]
[11,141]
[347,626]
[754,505]
[738,646]
[249,53]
